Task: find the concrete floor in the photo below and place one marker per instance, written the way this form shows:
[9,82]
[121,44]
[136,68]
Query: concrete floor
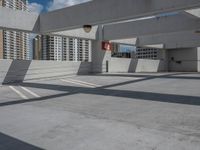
[102,112]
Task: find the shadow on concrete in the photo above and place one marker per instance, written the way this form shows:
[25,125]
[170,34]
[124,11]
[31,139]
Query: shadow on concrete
[172,76]
[138,80]
[162,66]
[133,65]
[51,77]
[10,143]
[136,95]
[36,27]
[129,82]
[17,71]
[84,69]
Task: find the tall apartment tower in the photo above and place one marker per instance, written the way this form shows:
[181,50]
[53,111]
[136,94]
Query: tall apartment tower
[60,48]
[14,45]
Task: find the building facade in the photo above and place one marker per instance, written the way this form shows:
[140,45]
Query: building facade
[60,48]
[37,47]
[123,51]
[150,53]
[13,44]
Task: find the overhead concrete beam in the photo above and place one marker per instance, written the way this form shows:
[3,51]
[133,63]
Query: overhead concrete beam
[171,40]
[159,46]
[106,11]
[79,33]
[177,23]
[194,12]
[19,20]
[131,41]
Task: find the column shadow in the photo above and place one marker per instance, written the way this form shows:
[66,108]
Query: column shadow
[17,71]
[10,143]
[132,95]
[133,66]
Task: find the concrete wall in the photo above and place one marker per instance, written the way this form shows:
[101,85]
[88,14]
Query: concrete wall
[198,58]
[19,70]
[19,20]
[136,65]
[99,57]
[183,60]
[184,39]
[145,65]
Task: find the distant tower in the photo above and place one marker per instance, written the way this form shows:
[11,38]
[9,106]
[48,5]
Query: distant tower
[58,48]
[37,48]
[14,45]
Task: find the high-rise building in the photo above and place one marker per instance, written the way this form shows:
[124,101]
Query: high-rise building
[60,48]
[37,48]
[13,44]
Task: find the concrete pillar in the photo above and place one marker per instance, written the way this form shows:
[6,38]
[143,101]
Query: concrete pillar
[163,56]
[198,58]
[99,57]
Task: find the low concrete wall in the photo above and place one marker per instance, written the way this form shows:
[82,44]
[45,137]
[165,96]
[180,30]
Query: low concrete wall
[136,65]
[145,65]
[21,70]
[183,60]
[122,65]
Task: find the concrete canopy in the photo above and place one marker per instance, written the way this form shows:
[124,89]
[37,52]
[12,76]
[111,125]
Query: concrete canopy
[185,39]
[194,12]
[127,32]
[19,20]
[159,46]
[106,11]
[130,41]
[168,24]
[89,13]
[80,33]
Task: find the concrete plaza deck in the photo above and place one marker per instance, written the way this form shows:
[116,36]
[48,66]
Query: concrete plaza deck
[102,112]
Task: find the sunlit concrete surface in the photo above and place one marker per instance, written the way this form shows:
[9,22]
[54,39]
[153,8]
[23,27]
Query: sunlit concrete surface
[102,112]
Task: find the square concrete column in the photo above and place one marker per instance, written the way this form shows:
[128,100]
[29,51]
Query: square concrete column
[198,58]
[100,58]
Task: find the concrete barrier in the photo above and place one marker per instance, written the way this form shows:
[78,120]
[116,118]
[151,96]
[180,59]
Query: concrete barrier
[136,65]
[183,60]
[23,70]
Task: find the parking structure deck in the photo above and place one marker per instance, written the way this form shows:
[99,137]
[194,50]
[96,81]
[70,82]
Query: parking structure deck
[135,111]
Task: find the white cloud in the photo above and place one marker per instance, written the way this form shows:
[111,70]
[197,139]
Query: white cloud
[35,7]
[58,4]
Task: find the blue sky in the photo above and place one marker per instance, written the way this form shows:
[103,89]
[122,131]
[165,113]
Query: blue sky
[49,5]
[127,48]
[42,2]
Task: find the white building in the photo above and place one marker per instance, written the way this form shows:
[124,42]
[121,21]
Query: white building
[14,45]
[63,48]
